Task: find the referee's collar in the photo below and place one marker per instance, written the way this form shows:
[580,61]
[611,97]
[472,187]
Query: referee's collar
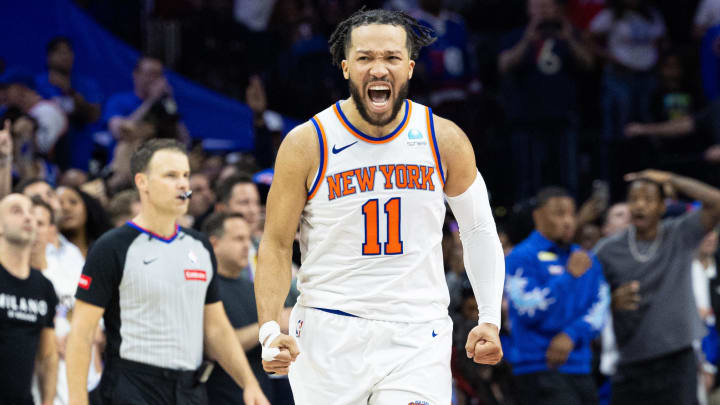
[153,234]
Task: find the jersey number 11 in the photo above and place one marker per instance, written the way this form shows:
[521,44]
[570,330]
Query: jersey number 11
[394,246]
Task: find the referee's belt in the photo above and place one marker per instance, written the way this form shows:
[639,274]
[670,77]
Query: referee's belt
[185,376]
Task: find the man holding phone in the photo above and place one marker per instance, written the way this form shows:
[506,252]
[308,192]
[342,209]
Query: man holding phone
[539,67]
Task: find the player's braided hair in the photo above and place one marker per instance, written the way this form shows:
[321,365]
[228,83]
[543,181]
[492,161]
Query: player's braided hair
[418,35]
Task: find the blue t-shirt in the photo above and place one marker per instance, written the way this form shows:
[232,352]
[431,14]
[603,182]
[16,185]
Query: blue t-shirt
[75,148]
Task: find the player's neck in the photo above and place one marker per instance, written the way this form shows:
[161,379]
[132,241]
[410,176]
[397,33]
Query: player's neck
[15,258]
[349,108]
[156,222]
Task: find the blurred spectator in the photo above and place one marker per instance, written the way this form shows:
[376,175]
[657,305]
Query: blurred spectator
[78,96]
[627,34]
[581,12]
[654,316]
[267,124]
[443,68]
[65,290]
[28,310]
[540,66]
[558,303]
[238,193]
[6,158]
[701,129]
[704,269]
[255,15]
[133,117]
[479,384]
[710,62]
[82,219]
[707,15]
[617,219]
[203,198]
[124,206]
[51,120]
[229,235]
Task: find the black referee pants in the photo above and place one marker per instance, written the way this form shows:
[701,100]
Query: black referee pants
[555,388]
[130,383]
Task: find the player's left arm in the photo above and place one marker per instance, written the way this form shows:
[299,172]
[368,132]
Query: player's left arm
[482,252]
[222,345]
[47,365]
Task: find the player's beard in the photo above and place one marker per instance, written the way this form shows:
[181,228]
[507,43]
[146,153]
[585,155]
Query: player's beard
[362,109]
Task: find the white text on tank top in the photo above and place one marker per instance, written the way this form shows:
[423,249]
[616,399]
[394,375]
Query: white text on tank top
[371,231]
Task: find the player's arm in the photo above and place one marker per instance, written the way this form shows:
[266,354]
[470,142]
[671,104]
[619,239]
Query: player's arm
[482,252]
[298,155]
[85,320]
[47,365]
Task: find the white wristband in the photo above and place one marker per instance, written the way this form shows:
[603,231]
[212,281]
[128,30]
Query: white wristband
[269,331]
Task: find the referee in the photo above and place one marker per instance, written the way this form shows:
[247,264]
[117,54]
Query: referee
[154,284]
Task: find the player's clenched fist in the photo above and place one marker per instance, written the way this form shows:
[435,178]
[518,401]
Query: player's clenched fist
[483,344]
[278,355]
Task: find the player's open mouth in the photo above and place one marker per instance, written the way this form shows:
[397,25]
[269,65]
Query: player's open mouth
[379,95]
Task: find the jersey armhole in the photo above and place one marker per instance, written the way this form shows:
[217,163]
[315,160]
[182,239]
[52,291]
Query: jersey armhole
[322,141]
[434,145]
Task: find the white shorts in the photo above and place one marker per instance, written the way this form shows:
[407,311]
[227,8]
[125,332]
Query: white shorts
[346,360]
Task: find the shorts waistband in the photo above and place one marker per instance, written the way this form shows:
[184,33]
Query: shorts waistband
[181,375]
[335,311]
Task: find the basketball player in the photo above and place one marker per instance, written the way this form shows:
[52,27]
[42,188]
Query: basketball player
[367,178]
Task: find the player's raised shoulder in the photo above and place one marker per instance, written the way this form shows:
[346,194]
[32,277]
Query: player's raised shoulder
[299,153]
[457,155]
[449,135]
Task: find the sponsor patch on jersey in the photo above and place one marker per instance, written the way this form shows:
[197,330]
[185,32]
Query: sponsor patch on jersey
[556,269]
[84,282]
[547,256]
[195,275]
[419,403]
[298,329]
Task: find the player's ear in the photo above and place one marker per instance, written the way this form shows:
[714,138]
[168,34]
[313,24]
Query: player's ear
[344,66]
[213,241]
[412,68]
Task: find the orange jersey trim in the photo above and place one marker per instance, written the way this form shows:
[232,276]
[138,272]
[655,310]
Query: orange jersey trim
[322,140]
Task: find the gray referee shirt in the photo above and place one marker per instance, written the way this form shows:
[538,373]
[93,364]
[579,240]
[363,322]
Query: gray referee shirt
[154,291]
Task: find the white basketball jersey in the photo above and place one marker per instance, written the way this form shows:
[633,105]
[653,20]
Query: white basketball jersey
[371,231]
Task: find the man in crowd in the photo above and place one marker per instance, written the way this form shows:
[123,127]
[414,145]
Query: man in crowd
[156,286]
[51,119]
[124,206]
[202,200]
[558,303]
[135,116]
[27,309]
[540,66]
[648,267]
[229,235]
[79,97]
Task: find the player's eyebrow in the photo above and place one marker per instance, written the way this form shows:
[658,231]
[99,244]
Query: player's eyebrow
[386,52]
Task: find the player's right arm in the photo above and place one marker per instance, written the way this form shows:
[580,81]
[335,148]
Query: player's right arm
[297,158]
[80,342]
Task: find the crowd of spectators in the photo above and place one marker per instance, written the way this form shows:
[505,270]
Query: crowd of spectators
[573,93]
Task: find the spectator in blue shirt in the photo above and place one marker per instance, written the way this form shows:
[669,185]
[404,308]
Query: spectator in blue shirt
[135,116]
[78,96]
[558,303]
